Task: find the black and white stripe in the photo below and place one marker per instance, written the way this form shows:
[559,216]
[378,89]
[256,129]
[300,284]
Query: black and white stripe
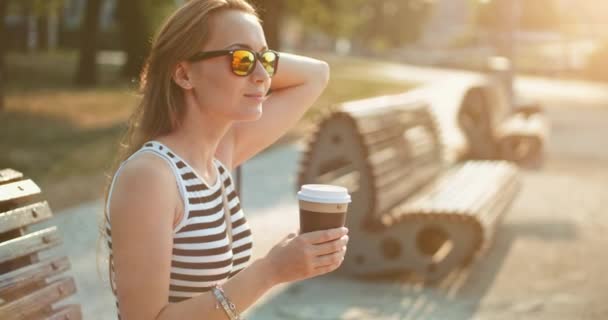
[202,255]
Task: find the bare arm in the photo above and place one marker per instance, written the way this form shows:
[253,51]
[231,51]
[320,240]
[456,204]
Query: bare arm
[297,84]
[243,290]
[294,258]
[142,211]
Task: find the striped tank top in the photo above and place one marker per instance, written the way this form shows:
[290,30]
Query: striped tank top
[202,256]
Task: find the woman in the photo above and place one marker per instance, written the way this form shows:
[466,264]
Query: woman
[175,252]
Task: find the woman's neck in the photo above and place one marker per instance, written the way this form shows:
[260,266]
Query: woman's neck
[197,138]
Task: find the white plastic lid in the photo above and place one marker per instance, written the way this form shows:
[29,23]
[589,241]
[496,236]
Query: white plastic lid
[324,193]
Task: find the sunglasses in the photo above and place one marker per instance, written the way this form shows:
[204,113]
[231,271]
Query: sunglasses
[244,61]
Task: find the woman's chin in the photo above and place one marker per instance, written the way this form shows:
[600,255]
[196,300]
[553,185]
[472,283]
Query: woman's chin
[252,114]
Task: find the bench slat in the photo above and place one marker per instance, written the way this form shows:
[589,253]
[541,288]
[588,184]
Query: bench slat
[25,216]
[18,190]
[395,142]
[389,197]
[386,134]
[28,244]
[394,179]
[67,312]
[466,189]
[8,175]
[33,303]
[23,277]
[377,124]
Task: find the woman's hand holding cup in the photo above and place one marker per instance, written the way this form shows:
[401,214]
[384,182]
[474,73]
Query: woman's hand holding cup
[307,255]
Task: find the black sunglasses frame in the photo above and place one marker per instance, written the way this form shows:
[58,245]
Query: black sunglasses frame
[257,56]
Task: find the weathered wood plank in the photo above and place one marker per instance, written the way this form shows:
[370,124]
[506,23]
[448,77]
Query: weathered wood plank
[33,303]
[23,277]
[8,175]
[17,190]
[28,244]
[67,312]
[25,216]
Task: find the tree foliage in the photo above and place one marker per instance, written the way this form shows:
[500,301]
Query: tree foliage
[530,14]
[371,23]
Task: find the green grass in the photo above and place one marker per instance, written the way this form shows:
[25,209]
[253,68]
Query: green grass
[65,137]
[32,72]
[341,89]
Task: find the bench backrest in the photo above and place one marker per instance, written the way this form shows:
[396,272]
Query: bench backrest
[476,119]
[382,149]
[25,290]
[468,110]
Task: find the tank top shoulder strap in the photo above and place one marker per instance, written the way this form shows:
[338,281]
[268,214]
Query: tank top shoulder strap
[225,175]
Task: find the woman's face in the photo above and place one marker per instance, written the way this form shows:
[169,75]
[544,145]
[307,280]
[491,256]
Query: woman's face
[218,90]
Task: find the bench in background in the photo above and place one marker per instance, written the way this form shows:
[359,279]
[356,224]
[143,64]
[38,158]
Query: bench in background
[477,122]
[410,210]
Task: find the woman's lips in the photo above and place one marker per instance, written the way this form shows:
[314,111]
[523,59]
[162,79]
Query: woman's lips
[258,97]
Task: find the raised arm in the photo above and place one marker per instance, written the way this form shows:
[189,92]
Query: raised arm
[297,84]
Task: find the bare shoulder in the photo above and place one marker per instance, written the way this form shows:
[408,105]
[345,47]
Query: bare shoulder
[141,213]
[144,187]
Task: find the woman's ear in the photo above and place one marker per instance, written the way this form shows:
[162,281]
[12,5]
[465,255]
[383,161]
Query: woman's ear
[180,76]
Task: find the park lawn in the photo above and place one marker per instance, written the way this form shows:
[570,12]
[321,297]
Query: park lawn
[65,137]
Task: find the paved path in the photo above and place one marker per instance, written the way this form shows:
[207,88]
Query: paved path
[553,92]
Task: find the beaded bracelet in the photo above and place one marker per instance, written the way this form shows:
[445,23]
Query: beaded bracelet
[227,305]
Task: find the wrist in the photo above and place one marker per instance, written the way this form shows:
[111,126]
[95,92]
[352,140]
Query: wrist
[269,270]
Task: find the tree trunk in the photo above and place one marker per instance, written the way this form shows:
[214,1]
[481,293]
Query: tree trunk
[42,40]
[135,34]
[31,29]
[53,28]
[86,74]
[270,12]
[3,4]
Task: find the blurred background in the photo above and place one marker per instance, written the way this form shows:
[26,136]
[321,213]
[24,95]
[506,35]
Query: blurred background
[68,78]
[69,67]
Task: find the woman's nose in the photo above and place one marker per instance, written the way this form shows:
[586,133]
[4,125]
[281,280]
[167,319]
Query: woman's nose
[259,74]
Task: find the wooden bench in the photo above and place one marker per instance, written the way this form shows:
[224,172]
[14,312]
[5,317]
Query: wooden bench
[29,286]
[489,127]
[410,210]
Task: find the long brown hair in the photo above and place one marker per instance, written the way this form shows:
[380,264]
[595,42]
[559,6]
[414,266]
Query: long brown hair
[161,107]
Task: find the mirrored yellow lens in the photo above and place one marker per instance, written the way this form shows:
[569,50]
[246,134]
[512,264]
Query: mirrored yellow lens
[269,61]
[242,62]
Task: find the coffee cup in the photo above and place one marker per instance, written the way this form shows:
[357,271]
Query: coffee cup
[322,207]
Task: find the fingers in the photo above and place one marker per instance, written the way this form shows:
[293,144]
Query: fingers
[322,236]
[334,259]
[327,269]
[330,247]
